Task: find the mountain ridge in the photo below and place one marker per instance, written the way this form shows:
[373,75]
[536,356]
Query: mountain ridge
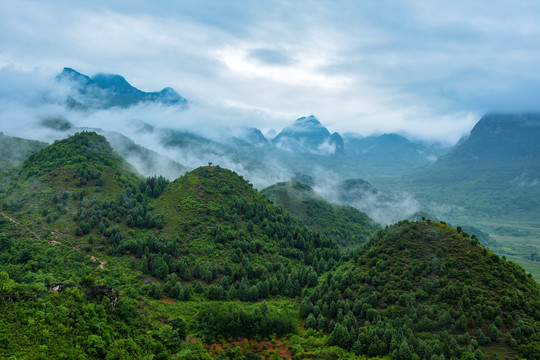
[111,90]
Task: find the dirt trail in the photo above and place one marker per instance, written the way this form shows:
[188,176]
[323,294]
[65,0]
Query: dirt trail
[20,225]
[101,262]
[56,234]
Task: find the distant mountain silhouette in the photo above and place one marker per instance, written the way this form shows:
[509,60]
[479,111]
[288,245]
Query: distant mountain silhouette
[105,91]
[308,135]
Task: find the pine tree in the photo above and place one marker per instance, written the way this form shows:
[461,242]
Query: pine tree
[340,337]
[311,322]
[493,332]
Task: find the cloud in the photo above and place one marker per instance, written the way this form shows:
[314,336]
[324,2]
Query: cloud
[270,57]
[421,68]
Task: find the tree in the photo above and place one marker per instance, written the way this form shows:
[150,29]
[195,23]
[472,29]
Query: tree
[462,322]
[311,322]
[312,278]
[199,288]
[159,267]
[510,341]
[493,332]
[179,325]
[5,284]
[95,346]
[357,348]
[482,339]
[404,352]
[322,323]
[340,337]
[155,291]
[144,265]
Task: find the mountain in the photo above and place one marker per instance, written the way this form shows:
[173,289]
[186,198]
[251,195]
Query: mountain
[495,170]
[424,288]
[104,91]
[346,224]
[389,154]
[308,135]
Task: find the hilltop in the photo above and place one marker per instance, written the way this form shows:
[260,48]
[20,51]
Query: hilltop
[424,288]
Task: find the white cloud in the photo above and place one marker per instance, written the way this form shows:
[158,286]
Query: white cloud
[428,69]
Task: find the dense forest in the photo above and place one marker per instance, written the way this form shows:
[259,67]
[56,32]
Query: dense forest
[98,262]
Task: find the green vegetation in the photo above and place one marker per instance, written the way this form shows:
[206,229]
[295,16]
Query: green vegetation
[97,262]
[426,289]
[346,224]
[13,151]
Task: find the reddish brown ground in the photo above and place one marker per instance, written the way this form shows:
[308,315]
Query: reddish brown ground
[280,347]
[168,301]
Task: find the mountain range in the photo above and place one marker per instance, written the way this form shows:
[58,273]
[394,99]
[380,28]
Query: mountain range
[165,223]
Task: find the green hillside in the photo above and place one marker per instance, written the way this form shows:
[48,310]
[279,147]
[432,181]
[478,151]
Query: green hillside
[493,172]
[99,263]
[346,224]
[226,229]
[424,290]
[89,249]
[13,150]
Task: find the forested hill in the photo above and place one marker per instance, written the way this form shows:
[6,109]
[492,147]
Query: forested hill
[424,290]
[97,262]
[348,225]
[89,249]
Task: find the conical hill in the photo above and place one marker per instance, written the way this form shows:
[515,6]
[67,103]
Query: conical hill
[424,288]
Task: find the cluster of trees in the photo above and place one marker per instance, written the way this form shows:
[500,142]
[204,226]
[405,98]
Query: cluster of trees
[83,175]
[154,186]
[384,302]
[131,207]
[218,321]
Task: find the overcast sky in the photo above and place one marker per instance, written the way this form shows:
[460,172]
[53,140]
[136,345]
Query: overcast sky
[428,69]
